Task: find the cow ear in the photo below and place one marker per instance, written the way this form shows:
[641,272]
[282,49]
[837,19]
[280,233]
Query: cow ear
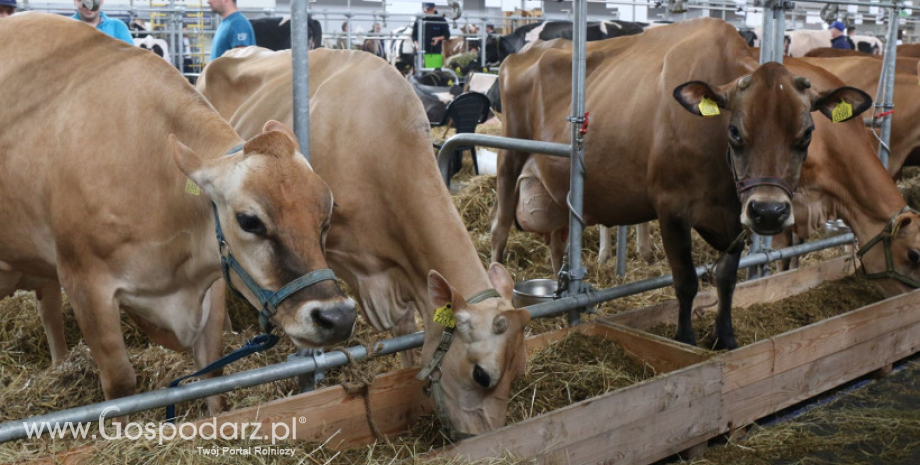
[273,125]
[501,281]
[694,93]
[841,104]
[192,165]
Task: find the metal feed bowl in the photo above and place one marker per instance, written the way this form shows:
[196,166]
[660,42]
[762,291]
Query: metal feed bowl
[533,291]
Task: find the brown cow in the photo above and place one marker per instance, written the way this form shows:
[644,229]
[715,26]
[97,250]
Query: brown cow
[863,73]
[646,157]
[103,197]
[394,217]
[906,65]
[909,50]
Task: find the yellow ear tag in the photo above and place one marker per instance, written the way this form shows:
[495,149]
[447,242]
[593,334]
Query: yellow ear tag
[708,107]
[457,69]
[444,316]
[191,187]
[842,112]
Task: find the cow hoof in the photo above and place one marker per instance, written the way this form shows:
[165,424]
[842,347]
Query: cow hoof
[724,343]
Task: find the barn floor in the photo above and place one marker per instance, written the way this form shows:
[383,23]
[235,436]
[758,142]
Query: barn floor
[874,424]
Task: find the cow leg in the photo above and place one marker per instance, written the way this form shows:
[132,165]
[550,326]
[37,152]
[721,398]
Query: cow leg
[412,357]
[50,311]
[510,165]
[603,253]
[726,275]
[97,315]
[209,345]
[781,241]
[675,235]
[644,241]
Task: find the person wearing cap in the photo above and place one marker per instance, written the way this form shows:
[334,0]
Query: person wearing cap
[435,33]
[838,39]
[112,27]
[490,29]
[234,31]
[7,8]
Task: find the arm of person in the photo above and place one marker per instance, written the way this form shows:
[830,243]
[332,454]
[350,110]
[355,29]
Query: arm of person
[242,35]
[122,32]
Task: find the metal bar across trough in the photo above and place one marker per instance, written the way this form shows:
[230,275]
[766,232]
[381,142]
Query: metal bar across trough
[13,430]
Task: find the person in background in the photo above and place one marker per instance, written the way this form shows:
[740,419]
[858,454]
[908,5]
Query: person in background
[851,32]
[435,33]
[490,29]
[838,40]
[112,27]
[234,30]
[7,8]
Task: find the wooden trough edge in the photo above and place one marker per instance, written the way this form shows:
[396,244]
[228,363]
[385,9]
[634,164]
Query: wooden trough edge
[708,394]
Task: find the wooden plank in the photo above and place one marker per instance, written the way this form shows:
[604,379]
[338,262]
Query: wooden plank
[661,353]
[766,290]
[801,346]
[609,412]
[652,438]
[746,404]
[395,398]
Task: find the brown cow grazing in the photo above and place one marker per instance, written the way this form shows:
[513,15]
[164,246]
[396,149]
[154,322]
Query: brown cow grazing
[646,157]
[909,50]
[118,202]
[394,218]
[863,73]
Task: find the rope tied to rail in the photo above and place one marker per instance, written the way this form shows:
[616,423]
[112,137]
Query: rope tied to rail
[358,378]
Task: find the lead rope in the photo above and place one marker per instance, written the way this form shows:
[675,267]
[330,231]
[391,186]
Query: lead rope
[360,384]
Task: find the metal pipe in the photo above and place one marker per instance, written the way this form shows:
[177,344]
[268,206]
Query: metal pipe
[300,48]
[779,28]
[622,232]
[16,429]
[507,143]
[577,272]
[885,97]
[596,297]
[162,397]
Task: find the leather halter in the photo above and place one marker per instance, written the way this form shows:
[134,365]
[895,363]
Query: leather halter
[268,299]
[885,238]
[434,388]
[745,184]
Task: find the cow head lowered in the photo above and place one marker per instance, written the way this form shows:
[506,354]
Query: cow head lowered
[274,213]
[768,134]
[486,354]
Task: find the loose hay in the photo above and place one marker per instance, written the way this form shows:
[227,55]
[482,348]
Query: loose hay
[762,321]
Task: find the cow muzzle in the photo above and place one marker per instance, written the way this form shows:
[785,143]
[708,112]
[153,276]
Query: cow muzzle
[322,323]
[767,217]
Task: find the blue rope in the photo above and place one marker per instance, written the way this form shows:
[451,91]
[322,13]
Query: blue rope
[255,345]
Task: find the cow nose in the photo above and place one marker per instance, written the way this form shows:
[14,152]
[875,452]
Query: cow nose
[336,320]
[481,376]
[768,217]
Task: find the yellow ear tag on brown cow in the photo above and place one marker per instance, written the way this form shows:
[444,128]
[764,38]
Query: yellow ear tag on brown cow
[450,82]
[191,187]
[842,112]
[708,107]
[444,316]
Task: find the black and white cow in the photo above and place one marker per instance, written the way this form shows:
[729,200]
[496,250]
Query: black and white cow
[274,33]
[498,48]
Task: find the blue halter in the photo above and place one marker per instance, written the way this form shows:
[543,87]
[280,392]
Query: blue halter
[269,300]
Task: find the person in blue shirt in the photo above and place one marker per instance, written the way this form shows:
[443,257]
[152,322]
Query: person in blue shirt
[838,39]
[234,30]
[112,27]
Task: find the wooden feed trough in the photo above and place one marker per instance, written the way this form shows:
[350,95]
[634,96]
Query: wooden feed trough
[697,395]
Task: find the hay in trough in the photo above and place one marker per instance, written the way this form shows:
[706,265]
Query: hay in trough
[762,321]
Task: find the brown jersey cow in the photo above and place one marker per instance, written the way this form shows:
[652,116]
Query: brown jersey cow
[647,157]
[103,145]
[394,217]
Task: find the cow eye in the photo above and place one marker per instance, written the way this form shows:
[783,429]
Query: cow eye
[734,134]
[251,224]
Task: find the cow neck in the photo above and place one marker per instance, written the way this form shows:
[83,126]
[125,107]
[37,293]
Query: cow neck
[443,245]
[865,195]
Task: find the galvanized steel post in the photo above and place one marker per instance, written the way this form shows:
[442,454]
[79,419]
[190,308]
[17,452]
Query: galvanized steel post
[572,278]
[884,99]
[300,25]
